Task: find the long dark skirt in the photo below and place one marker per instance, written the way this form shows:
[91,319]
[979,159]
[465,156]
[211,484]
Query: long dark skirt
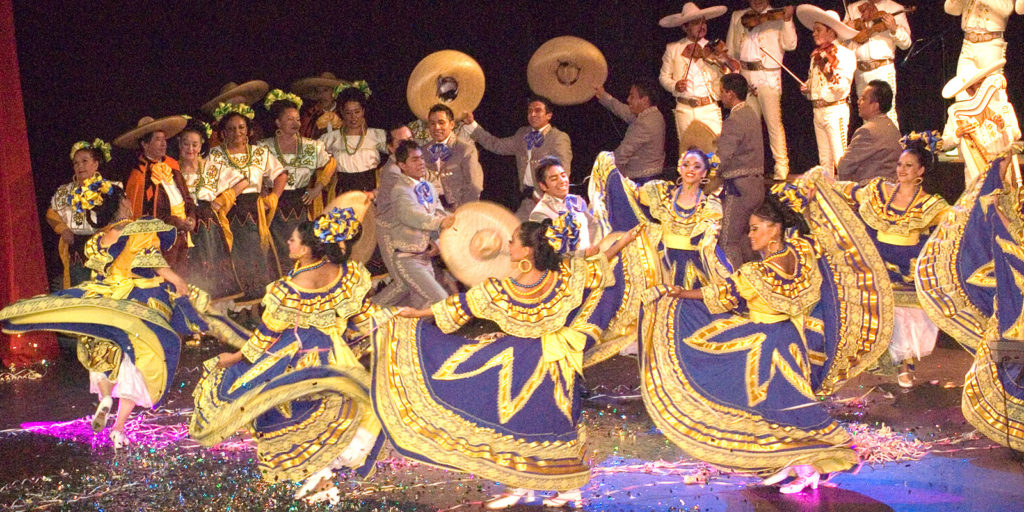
[209,261]
[290,213]
[253,267]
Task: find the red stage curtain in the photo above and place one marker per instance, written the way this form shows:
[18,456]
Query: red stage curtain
[22,266]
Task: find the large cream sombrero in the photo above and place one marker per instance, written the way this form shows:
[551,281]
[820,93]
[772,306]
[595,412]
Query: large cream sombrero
[698,135]
[958,84]
[691,12]
[362,205]
[170,125]
[449,77]
[475,247]
[810,14]
[306,87]
[249,93]
[566,70]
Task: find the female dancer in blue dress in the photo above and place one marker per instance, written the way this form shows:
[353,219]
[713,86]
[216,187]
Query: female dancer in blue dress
[296,384]
[504,406]
[130,316]
[731,372]
[686,218]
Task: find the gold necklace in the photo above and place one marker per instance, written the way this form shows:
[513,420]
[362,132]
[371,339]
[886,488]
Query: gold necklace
[298,151]
[231,160]
[358,145]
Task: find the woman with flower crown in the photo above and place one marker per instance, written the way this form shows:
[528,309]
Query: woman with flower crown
[898,216]
[504,406]
[732,372]
[209,263]
[296,384]
[129,318]
[687,219]
[250,211]
[356,148]
[309,167]
[70,224]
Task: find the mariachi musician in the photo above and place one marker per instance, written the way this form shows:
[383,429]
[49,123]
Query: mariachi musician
[882,27]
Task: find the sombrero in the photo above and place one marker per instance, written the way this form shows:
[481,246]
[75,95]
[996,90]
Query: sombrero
[566,70]
[366,213]
[249,93]
[958,84]
[810,14]
[691,12]
[305,87]
[698,135]
[475,247]
[170,125]
[449,77]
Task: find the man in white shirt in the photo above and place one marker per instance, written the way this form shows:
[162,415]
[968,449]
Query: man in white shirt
[763,74]
[687,76]
[983,23]
[828,82]
[641,154]
[876,51]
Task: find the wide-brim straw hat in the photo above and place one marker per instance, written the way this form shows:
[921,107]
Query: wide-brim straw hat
[449,77]
[566,70]
[810,14]
[475,247]
[698,135]
[250,93]
[170,125]
[366,214]
[306,87]
[958,84]
[691,12]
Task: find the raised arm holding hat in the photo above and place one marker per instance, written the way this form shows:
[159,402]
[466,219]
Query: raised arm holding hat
[641,154]
[828,82]
[453,164]
[876,48]
[687,76]
[759,45]
[983,23]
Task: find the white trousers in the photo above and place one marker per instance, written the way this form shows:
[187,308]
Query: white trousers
[830,127]
[710,115]
[886,74]
[768,104]
[975,56]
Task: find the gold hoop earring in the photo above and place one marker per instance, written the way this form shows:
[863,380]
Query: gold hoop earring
[918,180]
[705,180]
[772,244]
[679,181]
[277,132]
[529,266]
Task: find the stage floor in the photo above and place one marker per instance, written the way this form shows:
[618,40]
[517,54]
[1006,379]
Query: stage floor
[52,461]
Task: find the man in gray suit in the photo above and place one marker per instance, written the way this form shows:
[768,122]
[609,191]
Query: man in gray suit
[529,145]
[415,216]
[641,154]
[390,174]
[741,150]
[453,165]
[875,148]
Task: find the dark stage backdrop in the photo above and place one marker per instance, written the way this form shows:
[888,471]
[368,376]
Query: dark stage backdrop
[95,69]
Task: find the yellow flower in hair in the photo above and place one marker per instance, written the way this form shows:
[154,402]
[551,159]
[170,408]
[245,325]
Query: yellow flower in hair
[96,144]
[90,193]
[226,108]
[279,95]
[563,234]
[361,85]
[337,226]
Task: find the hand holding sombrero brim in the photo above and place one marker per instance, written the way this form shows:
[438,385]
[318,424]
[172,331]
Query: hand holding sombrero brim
[449,77]
[566,70]
[475,247]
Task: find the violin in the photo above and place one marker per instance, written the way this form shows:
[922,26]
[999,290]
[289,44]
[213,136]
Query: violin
[716,53]
[871,21]
[751,19]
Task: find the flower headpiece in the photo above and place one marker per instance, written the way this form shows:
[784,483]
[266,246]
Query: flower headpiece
[226,108]
[358,84]
[563,234]
[90,193]
[207,130]
[930,138]
[279,95]
[713,162]
[96,144]
[337,226]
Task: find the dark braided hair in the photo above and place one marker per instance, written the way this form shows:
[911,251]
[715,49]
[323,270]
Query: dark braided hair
[532,235]
[318,249]
[772,210]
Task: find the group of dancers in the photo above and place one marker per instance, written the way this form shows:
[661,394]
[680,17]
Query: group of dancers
[735,347]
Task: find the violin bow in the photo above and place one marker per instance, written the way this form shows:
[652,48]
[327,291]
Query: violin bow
[783,66]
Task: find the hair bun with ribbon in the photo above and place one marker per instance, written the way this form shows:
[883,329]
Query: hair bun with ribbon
[279,95]
[361,85]
[90,193]
[563,234]
[227,108]
[929,138]
[713,163]
[96,144]
[337,226]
